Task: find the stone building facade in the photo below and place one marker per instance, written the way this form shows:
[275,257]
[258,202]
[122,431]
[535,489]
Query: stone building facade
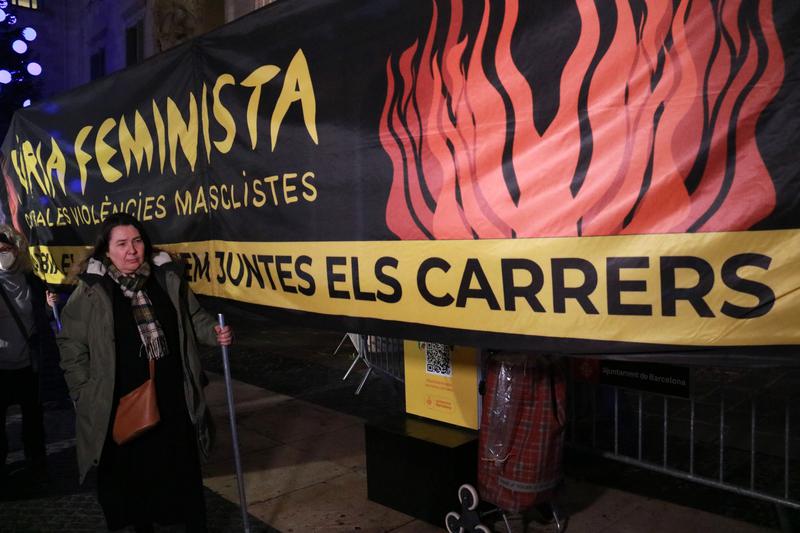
[83,40]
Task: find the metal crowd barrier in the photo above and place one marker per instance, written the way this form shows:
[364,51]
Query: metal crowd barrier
[737,430]
[382,353]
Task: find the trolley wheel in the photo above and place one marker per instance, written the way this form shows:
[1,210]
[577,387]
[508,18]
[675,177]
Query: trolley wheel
[452,521]
[468,497]
[480,528]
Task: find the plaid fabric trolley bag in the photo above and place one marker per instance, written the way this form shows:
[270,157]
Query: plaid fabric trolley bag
[521,438]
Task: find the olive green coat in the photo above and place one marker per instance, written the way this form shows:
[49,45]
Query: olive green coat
[86,343]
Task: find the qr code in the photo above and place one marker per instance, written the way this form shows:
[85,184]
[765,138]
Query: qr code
[437,359]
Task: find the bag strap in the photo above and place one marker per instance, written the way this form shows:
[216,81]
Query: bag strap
[13,309]
[152,369]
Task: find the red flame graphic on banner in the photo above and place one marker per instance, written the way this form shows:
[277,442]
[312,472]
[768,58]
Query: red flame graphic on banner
[654,130]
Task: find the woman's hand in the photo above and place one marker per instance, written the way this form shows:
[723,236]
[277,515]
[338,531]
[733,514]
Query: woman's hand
[52,299]
[224,335]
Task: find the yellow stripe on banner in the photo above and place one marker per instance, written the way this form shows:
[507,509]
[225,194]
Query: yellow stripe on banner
[55,263]
[708,289]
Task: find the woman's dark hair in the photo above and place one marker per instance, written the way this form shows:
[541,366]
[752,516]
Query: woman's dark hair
[111,222]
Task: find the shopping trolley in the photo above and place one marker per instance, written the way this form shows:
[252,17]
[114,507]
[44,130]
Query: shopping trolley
[521,443]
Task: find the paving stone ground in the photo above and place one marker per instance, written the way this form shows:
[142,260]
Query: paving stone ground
[296,361]
[57,504]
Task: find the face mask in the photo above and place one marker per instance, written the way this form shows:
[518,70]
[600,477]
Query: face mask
[7,260]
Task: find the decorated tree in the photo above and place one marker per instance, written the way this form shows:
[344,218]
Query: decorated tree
[19,70]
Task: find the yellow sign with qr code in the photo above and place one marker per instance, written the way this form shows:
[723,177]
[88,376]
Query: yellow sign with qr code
[442,382]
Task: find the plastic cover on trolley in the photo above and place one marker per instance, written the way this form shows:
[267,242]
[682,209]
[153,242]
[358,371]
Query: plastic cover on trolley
[522,430]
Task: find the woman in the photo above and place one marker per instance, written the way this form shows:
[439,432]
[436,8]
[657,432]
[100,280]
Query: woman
[132,305]
[25,341]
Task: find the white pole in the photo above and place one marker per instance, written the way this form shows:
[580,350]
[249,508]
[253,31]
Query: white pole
[57,316]
[234,432]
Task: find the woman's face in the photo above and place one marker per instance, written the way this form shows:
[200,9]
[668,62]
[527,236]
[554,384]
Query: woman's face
[8,255]
[126,248]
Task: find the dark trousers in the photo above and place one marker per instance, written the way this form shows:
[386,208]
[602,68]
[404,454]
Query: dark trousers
[22,387]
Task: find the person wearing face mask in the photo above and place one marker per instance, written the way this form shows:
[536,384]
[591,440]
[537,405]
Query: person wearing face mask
[132,305]
[24,329]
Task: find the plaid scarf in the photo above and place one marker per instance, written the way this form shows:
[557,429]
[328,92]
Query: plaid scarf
[155,344]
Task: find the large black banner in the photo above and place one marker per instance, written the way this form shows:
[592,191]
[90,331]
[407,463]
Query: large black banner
[606,177]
